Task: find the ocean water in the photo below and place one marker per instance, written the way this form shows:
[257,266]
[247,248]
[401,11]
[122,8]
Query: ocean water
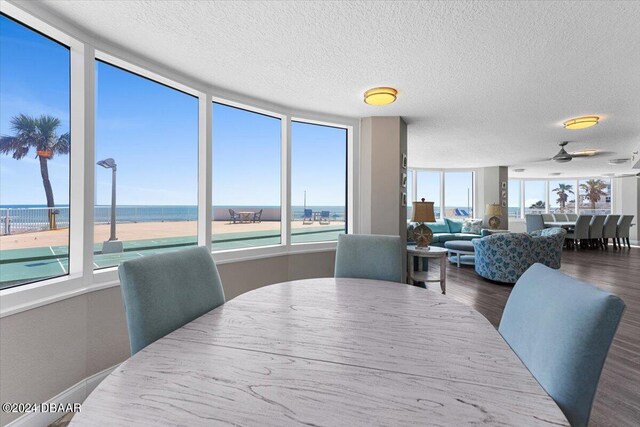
[37,215]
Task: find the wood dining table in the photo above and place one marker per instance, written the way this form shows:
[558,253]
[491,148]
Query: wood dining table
[326,352]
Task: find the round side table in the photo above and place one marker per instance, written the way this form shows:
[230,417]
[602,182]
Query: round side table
[422,276]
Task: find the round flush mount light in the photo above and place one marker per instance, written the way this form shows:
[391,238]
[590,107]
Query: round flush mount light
[380,96]
[555,173]
[581,122]
[618,161]
[518,170]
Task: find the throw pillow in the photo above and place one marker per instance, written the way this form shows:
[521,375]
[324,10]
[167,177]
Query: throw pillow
[472,226]
[455,226]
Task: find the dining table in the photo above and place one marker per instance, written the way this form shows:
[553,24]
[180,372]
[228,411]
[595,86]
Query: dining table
[562,224]
[326,352]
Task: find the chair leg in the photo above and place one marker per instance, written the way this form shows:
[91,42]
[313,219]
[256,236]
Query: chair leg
[628,243]
[606,243]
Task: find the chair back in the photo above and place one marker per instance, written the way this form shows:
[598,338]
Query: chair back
[534,222]
[572,217]
[560,217]
[582,227]
[369,257]
[596,226]
[257,215]
[610,226]
[232,213]
[163,292]
[324,214]
[561,328]
[624,226]
[547,217]
[308,213]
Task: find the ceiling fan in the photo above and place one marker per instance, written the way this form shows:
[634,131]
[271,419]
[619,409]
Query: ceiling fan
[563,156]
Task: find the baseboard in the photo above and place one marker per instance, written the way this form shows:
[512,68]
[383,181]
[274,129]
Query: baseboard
[75,394]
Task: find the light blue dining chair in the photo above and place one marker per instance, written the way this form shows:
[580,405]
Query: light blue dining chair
[561,328]
[163,292]
[572,217]
[535,222]
[374,257]
[561,217]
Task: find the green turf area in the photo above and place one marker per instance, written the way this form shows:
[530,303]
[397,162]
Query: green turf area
[19,266]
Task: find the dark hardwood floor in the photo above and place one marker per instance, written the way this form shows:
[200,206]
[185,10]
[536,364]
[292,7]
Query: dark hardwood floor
[617,401]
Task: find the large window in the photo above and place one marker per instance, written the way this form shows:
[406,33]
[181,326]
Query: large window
[535,197]
[147,158]
[428,188]
[595,196]
[562,196]
[34,155]
[458,195]
[515,198]
[318,182]
[246,178]
[583,196]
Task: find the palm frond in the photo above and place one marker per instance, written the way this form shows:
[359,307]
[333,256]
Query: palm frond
[14,146]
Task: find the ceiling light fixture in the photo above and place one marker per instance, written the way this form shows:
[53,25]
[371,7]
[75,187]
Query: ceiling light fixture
[617,161]
[581,122]
[588,152]
[555,173]
[519,170]
[380,96]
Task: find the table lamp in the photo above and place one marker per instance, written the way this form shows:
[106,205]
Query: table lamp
[423,212]
[494,212]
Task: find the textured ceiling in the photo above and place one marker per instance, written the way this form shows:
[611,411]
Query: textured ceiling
[480,83]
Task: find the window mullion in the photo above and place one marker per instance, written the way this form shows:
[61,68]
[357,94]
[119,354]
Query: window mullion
[205,161]
[285,182]
[82,160]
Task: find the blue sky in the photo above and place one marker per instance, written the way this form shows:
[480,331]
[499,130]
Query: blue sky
[456,185]
[34,80]
[152,133]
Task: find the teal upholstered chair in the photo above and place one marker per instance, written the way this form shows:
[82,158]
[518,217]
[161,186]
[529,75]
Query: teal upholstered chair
[534,222]
[369,257]
[166,291]
[561,328]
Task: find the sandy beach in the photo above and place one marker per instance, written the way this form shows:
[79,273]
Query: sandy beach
[144,230]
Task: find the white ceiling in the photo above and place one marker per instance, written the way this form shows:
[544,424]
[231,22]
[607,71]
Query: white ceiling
[480,83]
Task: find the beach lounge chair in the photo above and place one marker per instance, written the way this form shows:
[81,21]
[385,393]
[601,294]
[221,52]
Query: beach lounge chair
[307,217]
[324,217]
[461,212]
[233,216]
[257,216]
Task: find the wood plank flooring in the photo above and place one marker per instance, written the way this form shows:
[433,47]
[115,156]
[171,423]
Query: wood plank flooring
[617,401]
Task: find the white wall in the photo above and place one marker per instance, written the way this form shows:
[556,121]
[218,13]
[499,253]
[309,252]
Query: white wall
[48,349]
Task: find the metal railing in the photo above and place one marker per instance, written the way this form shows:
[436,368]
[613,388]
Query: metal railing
[25,220]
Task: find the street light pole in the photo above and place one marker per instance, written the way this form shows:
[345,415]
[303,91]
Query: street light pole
[111,245]
[112,235]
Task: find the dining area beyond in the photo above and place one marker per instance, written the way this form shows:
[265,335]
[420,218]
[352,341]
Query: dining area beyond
[586,231]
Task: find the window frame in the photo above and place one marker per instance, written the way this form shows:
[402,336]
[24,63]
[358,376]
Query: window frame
[573,180]
[85,50]
[347,178]
[443,172]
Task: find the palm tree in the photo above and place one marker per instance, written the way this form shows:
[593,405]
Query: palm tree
[563,191]
[41,134]
[537,205]
[594,190]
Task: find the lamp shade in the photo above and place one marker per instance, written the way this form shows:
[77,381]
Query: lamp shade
[493,209]
[423,212]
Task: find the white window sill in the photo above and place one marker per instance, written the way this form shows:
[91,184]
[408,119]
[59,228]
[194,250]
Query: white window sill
[33,295]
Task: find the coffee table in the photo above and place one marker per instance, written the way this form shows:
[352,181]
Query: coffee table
[461,252]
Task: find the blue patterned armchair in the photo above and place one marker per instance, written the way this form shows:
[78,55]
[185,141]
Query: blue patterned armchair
[504,257]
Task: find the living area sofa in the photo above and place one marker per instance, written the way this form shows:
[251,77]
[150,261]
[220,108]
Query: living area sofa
[505,257]
[446,230]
